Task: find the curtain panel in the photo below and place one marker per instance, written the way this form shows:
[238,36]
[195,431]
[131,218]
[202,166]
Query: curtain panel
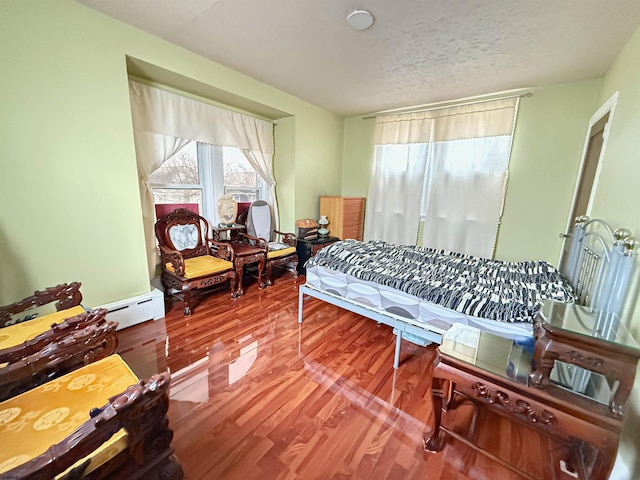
[445,167]
[164,122]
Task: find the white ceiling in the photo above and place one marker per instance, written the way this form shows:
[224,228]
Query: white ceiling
[417,52]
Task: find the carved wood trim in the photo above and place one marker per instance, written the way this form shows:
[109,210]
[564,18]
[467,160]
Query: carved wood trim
[515,406]
[582,360]
[66,295]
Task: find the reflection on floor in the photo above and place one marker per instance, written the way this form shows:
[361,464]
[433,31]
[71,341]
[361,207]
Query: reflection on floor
[256,395]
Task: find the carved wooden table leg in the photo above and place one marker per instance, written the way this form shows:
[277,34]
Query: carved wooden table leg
[186,299]
[268,282]
[543,360]
[261,262]
[239,274]
[441,394]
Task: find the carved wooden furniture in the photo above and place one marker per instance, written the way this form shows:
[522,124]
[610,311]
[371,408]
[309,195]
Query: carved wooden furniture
[97,422]
[493,372]
[245,252]
[35,347]
[76,341]
[65,295]
[190,259]
[260,233]
[591,340]
[345,215]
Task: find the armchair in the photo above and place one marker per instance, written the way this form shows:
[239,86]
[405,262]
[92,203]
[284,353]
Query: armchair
[98,422]
[279,247]
[34,349]
[62,348]
[190,258]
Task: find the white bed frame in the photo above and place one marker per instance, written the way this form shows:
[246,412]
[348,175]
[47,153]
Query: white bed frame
[599,267]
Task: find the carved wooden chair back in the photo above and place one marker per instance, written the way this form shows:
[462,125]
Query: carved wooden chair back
[184,231]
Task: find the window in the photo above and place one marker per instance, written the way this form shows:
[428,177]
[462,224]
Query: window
[444,170]
[178,180]
[200,173]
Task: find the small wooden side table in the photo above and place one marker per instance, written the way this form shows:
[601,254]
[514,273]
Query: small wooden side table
[308,248]
[493,373]
[587,338]
[227,233]
[244,254]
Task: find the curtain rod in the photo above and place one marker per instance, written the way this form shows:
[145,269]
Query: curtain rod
[452,103]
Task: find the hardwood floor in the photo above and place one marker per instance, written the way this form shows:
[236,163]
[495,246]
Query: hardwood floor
[255,395]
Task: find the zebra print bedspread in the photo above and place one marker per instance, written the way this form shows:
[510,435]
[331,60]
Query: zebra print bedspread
[492,289]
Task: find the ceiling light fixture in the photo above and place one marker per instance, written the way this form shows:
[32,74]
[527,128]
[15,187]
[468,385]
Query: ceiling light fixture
[360,19]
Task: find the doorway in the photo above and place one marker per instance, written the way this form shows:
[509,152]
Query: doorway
[587,179]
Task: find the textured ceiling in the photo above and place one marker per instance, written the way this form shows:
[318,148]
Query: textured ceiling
[417,52]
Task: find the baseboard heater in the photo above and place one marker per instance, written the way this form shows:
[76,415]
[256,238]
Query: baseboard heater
[135,310]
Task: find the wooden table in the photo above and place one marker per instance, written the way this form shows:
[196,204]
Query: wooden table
[244,254]
[493,373]
[223,233]
[590,339]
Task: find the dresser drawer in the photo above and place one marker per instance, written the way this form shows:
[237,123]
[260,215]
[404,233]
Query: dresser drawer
[357,203]
[352,210]
[354,232]
[352,220]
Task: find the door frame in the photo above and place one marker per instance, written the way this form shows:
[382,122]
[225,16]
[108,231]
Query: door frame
[607,107]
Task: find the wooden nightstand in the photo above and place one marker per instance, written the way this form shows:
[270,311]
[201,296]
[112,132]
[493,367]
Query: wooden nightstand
[308,248]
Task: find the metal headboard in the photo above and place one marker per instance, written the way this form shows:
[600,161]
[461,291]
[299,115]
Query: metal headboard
[600,264]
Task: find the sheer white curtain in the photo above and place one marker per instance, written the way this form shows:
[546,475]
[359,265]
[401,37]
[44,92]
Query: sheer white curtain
[152,150]
[445,167]
[261,163]
[395,191]
[466,176]
[466,182]
[157,113]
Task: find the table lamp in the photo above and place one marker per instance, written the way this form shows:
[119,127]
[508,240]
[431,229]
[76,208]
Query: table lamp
[323,222]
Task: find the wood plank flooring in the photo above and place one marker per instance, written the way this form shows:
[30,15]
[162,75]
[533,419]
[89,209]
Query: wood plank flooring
[255,395]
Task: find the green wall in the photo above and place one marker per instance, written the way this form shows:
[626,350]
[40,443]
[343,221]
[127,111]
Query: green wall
[358,156]
[617,200]
[68,187]
[546,154]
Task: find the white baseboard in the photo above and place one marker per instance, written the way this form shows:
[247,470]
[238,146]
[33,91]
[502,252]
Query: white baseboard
[135,310]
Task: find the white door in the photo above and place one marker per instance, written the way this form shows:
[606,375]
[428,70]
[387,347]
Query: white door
[587,179]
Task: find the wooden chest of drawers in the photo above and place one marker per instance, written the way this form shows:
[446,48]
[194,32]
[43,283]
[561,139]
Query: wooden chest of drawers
[345,214]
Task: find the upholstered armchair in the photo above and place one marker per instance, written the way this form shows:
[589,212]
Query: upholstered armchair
[190,258]
[97,422]
[279,247]
[35,348]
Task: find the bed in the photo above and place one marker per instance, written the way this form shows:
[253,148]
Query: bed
[421,292]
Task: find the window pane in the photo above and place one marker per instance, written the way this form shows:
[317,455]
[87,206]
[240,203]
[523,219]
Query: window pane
[240,179]
[180,169]
[177,196]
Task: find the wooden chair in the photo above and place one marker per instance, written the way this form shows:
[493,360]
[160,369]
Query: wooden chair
[35,348]
[62,348]
[98,422]
[278,247]
[190,258]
